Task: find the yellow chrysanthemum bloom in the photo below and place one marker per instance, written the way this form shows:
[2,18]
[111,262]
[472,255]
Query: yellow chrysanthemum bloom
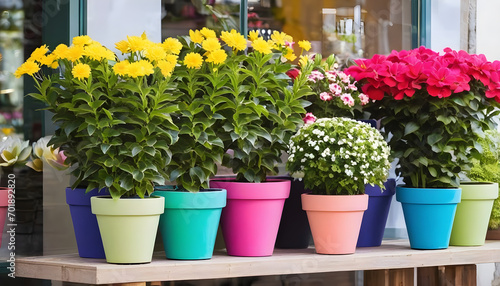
[29,67]
[281,38]
[234,40]
[211,44]
[303,60]
[49,61]
[166,67]
[172,46]
[81,71]
[121,68]
[123,46]
[172,58]
[82,40]
[306,45]
[38,53]
[196,36]
[74,53]
[193,60]
[207,33]
[60,51]
[155,52]
[140,68]
[253,35]
[97,52]
[262,46]
[217,57]
[290,55]
[136,44]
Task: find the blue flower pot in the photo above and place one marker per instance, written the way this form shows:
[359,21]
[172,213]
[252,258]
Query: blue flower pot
[429,215]
[375,217]
[88,237]
[189,224]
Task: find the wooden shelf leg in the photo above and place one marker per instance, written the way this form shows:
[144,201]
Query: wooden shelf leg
[389,277]
[451,275]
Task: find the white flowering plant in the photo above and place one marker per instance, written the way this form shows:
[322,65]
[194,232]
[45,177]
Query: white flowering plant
[334,93]
[338,156]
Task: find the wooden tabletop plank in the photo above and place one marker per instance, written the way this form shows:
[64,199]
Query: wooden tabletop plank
[391,255]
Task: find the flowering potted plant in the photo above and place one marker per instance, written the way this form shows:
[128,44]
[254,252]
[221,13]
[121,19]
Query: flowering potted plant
[262,112]
[109,112]
[197,150]
[434,107]
[337,157]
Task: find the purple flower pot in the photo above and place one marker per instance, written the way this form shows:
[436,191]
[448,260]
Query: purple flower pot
[375,217]
[88,237]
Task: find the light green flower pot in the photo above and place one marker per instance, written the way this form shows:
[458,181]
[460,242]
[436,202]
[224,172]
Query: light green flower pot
[128,227]
[473,213]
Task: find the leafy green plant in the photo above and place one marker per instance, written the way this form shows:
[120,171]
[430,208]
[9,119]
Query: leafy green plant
[338,156]
[434,108]
[113,116]
[486,168]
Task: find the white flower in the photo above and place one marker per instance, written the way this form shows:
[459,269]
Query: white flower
[14,151]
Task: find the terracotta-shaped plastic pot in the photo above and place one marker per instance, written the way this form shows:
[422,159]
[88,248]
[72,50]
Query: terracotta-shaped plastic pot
[4,204]
[473,213]
[252,215]
[335,221]
[128,227]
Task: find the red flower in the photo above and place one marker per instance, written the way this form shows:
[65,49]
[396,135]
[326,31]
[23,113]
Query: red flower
[293,73]
[309,118]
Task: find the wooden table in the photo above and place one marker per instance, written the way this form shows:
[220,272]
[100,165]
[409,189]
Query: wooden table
[390,264]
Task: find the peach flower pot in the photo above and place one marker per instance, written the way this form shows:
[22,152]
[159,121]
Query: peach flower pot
[335,221]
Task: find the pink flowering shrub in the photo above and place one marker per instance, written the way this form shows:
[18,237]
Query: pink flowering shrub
[335,93]
[434,108]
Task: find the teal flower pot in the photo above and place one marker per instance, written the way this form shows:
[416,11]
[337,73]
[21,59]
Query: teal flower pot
[190,222]
[429,215]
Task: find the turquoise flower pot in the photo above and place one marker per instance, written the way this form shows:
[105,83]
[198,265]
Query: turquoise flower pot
[429,215]
[190,222]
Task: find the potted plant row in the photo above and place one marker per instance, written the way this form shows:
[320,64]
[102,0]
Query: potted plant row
[433,108]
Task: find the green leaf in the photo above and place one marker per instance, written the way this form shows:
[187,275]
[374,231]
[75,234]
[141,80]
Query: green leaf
[108,181]
[411,127]
[105,148]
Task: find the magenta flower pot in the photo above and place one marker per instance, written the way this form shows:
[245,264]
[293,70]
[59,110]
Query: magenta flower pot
[251,218]
[4,204]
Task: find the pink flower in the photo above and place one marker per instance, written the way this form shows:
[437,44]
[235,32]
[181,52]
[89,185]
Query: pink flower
[364,98]
[315,75]
[289,44]
[352,86]
[325,96]
[347,99]
[309,118]
[331,75]
[335,89]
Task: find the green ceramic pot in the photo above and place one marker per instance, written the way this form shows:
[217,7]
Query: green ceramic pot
[128,227]
[473,213]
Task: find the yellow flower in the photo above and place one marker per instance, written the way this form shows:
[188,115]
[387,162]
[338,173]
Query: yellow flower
[155,52]
[136,44]
[29,67]
[262,46]
[38,53]
[121,68]
[123,46]
[193,60]
[211,44]
[234,40]
[74,53]
[207,33]
[306,45]
[290,55]
[50,61]
[303,60]
[217,57]
[166,67]
[98,52]
[60,51]
[140,68]
[81,71]
[82,40]
[172,58]
[253,35]
[280,38]
[172,46]
[196,36]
